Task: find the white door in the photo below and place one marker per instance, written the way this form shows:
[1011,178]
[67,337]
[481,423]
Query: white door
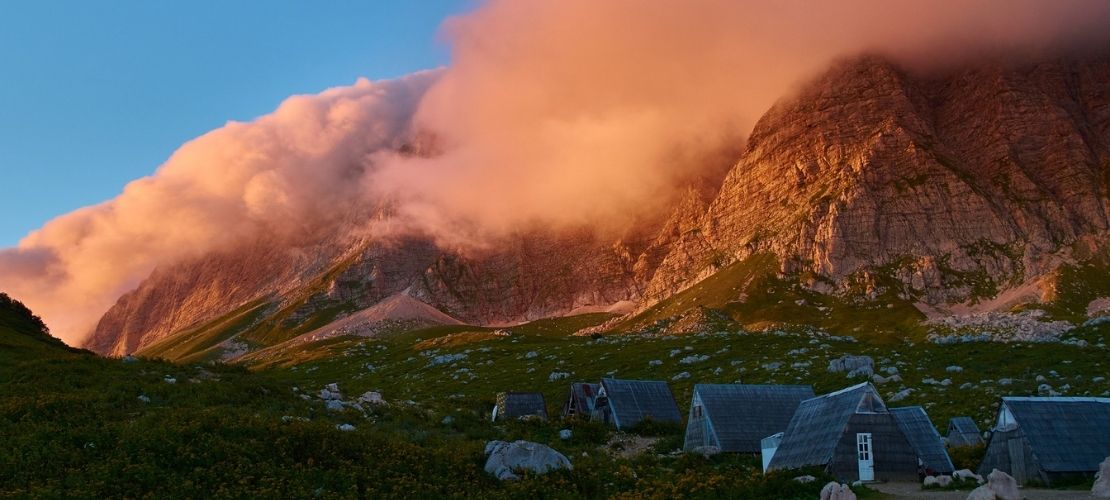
[865,457]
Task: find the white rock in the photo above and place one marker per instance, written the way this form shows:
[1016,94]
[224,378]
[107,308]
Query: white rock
[854,365]
[373,398]
[1101,488]
[506,457]
[169,380]
[144,398]
[981,493]
[965,474]
[565,434]
[900,395]
[944,481]
[805,479]
[557,376]
[1003,485]
[655,362]
[681,376]
[930,481]
[694,358]
[345,427]
[334,405]
[836,491]
[954,369]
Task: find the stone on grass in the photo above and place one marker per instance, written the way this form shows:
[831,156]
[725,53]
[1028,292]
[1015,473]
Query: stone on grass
[967,475]
[930,481]
[806,479]
[1101,488]
[856,366]
[372,397]
[836,491]
[565,434]
[944,481]
[345,427]
[505,458]
[334,405]
[144,398]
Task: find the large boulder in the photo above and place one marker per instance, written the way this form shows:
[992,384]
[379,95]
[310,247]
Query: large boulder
[1003,485]
[1101,488]
[505,458]
[836,491]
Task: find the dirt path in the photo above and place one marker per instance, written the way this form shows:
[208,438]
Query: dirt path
[913,490]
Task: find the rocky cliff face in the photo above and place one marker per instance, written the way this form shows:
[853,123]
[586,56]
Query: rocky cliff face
[949,186]
[955,185]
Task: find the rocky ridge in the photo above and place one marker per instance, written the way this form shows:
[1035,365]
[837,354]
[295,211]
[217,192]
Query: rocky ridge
[942,189]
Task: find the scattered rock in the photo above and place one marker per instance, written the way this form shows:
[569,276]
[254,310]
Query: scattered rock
[930,481]
[655,362]
[689,360]
[967,475]
[806,479]
[144,398]
[681,376]
[944,481]
[505,458]
[373,398]
[565,434]
[345,427]
[169,380]
[531,354]
[900,395]
[954,369]
[557,376]
[856,366]
[334,405]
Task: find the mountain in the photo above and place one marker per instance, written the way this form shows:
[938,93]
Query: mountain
[976,188]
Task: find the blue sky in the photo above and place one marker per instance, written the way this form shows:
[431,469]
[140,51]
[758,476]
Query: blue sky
[96,94]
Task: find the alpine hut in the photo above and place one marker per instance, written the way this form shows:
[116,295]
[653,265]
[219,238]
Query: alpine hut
[926,441]
[962,431]
[580,403]
[625,403]
[1048,438]
[736,417]
[519,405]
[851,434]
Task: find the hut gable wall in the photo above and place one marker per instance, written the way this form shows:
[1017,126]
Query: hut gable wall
[895,459]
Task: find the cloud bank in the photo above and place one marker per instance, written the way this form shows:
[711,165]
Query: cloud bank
[552,113]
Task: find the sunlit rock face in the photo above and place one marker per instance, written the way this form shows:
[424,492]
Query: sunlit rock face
[988,171]
[993,173]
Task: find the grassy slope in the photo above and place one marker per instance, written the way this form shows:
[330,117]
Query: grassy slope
[752,293]
[73,426]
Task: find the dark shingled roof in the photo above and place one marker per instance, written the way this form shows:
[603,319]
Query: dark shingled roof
[741,415]
[1067,434]
[520,404]
[963,425]
[631,401]
[923,436]
[811,437]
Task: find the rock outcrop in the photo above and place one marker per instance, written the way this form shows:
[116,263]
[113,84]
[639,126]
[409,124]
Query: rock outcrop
[505,458]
